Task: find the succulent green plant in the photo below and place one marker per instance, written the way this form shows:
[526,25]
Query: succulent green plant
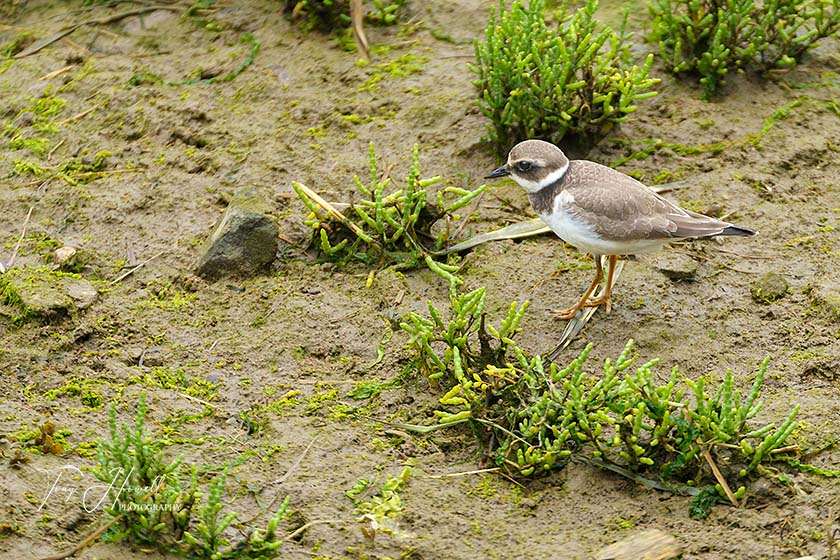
[531,416]
[380,512]
[156,503]
[393,229]
[714,37]
[535,80]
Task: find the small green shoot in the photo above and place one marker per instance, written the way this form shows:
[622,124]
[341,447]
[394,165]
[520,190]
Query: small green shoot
[379,514]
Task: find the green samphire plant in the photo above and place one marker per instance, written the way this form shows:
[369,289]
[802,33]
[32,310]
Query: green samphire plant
[537,80]
[713,37]
[531,416]
[393,228]
[153,503]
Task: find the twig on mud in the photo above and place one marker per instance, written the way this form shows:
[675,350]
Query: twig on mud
[724,265]
[101,4]
[44,43]
[55,73]
[79,47]
[357,15]
[131,271]
[86,542]
[453,56]
[223,339]
[52,151]
[196,399]
[11,263]
[78,116]
[718,476]
[706,258]
[739,255]
[296,464]
[282,479]
[108,33]
[93,175]
[464,473]
[326,381]
[400,434]
[27,184]
[303,528]
[494,470]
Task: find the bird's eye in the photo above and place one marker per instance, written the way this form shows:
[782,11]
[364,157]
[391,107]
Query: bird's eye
[524,166]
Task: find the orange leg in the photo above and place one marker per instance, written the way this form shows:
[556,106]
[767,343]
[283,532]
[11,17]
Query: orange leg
[595,302]
[566,314]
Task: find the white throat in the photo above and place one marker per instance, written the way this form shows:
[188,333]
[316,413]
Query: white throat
[550,179]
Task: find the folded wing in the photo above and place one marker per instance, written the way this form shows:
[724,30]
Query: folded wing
[623,208]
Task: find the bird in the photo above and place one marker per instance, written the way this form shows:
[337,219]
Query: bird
[601,211]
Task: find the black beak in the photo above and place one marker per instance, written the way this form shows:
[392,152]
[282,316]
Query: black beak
[500,172]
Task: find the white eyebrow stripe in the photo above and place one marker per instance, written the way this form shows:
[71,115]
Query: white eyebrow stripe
[550,179]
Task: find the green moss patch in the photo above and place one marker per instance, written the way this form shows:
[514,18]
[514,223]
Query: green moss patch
[42,294]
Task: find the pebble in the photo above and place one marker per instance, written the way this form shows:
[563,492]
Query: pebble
[652,544]
[769,287]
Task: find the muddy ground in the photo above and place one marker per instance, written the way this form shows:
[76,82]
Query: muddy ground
[285,349]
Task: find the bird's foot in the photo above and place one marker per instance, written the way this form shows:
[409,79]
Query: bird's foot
[571,312]
[565,314]
[602,300]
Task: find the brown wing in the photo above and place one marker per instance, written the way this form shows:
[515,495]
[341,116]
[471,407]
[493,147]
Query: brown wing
[623,208]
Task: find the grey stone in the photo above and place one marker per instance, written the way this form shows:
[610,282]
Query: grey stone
[769,287]
[676,266]
[244,243]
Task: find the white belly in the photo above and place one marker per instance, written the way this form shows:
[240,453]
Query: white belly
[583,236]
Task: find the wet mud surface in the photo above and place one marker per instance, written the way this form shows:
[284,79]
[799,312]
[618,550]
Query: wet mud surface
[286,348]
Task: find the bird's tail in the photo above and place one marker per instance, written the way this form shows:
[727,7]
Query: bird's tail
[737,231]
